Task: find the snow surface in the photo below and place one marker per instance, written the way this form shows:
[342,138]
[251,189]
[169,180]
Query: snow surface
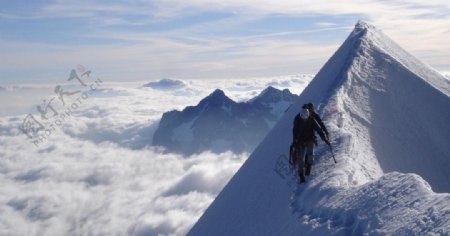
[389,122]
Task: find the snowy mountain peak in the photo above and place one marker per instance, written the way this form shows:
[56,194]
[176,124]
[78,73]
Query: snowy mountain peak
[273,95]
[372,95]
[366,41]
[219,124]
[216,98]
[266,92]
[362,25]
[269,89]
[218,93]
[364,31]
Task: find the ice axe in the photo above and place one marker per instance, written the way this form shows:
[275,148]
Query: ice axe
[332,153]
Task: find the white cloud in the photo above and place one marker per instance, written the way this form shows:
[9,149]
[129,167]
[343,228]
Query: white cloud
[76,187]
[96,176]
[177,8]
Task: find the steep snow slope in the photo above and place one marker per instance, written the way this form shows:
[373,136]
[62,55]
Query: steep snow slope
[387,113]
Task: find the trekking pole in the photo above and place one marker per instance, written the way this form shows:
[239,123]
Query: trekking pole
[332,153]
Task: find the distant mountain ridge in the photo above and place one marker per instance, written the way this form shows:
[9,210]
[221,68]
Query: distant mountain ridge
[220,124]
[165,84]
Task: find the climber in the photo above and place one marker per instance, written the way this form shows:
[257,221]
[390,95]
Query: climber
[316,117]
[303,142]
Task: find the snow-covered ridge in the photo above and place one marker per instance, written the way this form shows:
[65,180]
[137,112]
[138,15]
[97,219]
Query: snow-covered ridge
[387,115]
[391,49]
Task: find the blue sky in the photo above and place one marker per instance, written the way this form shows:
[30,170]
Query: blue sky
[40,41]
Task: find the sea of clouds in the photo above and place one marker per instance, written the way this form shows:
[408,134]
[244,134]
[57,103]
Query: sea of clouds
[96,173]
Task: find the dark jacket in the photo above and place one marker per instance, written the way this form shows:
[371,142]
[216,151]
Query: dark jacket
[319,121]
[303,131]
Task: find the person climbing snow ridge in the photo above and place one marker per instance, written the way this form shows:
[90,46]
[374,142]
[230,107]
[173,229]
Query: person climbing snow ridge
[302,147]
[316,117]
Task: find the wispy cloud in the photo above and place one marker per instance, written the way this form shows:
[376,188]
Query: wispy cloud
[187,38]
[154,57]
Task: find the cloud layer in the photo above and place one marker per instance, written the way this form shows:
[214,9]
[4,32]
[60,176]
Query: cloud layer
[96,175]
